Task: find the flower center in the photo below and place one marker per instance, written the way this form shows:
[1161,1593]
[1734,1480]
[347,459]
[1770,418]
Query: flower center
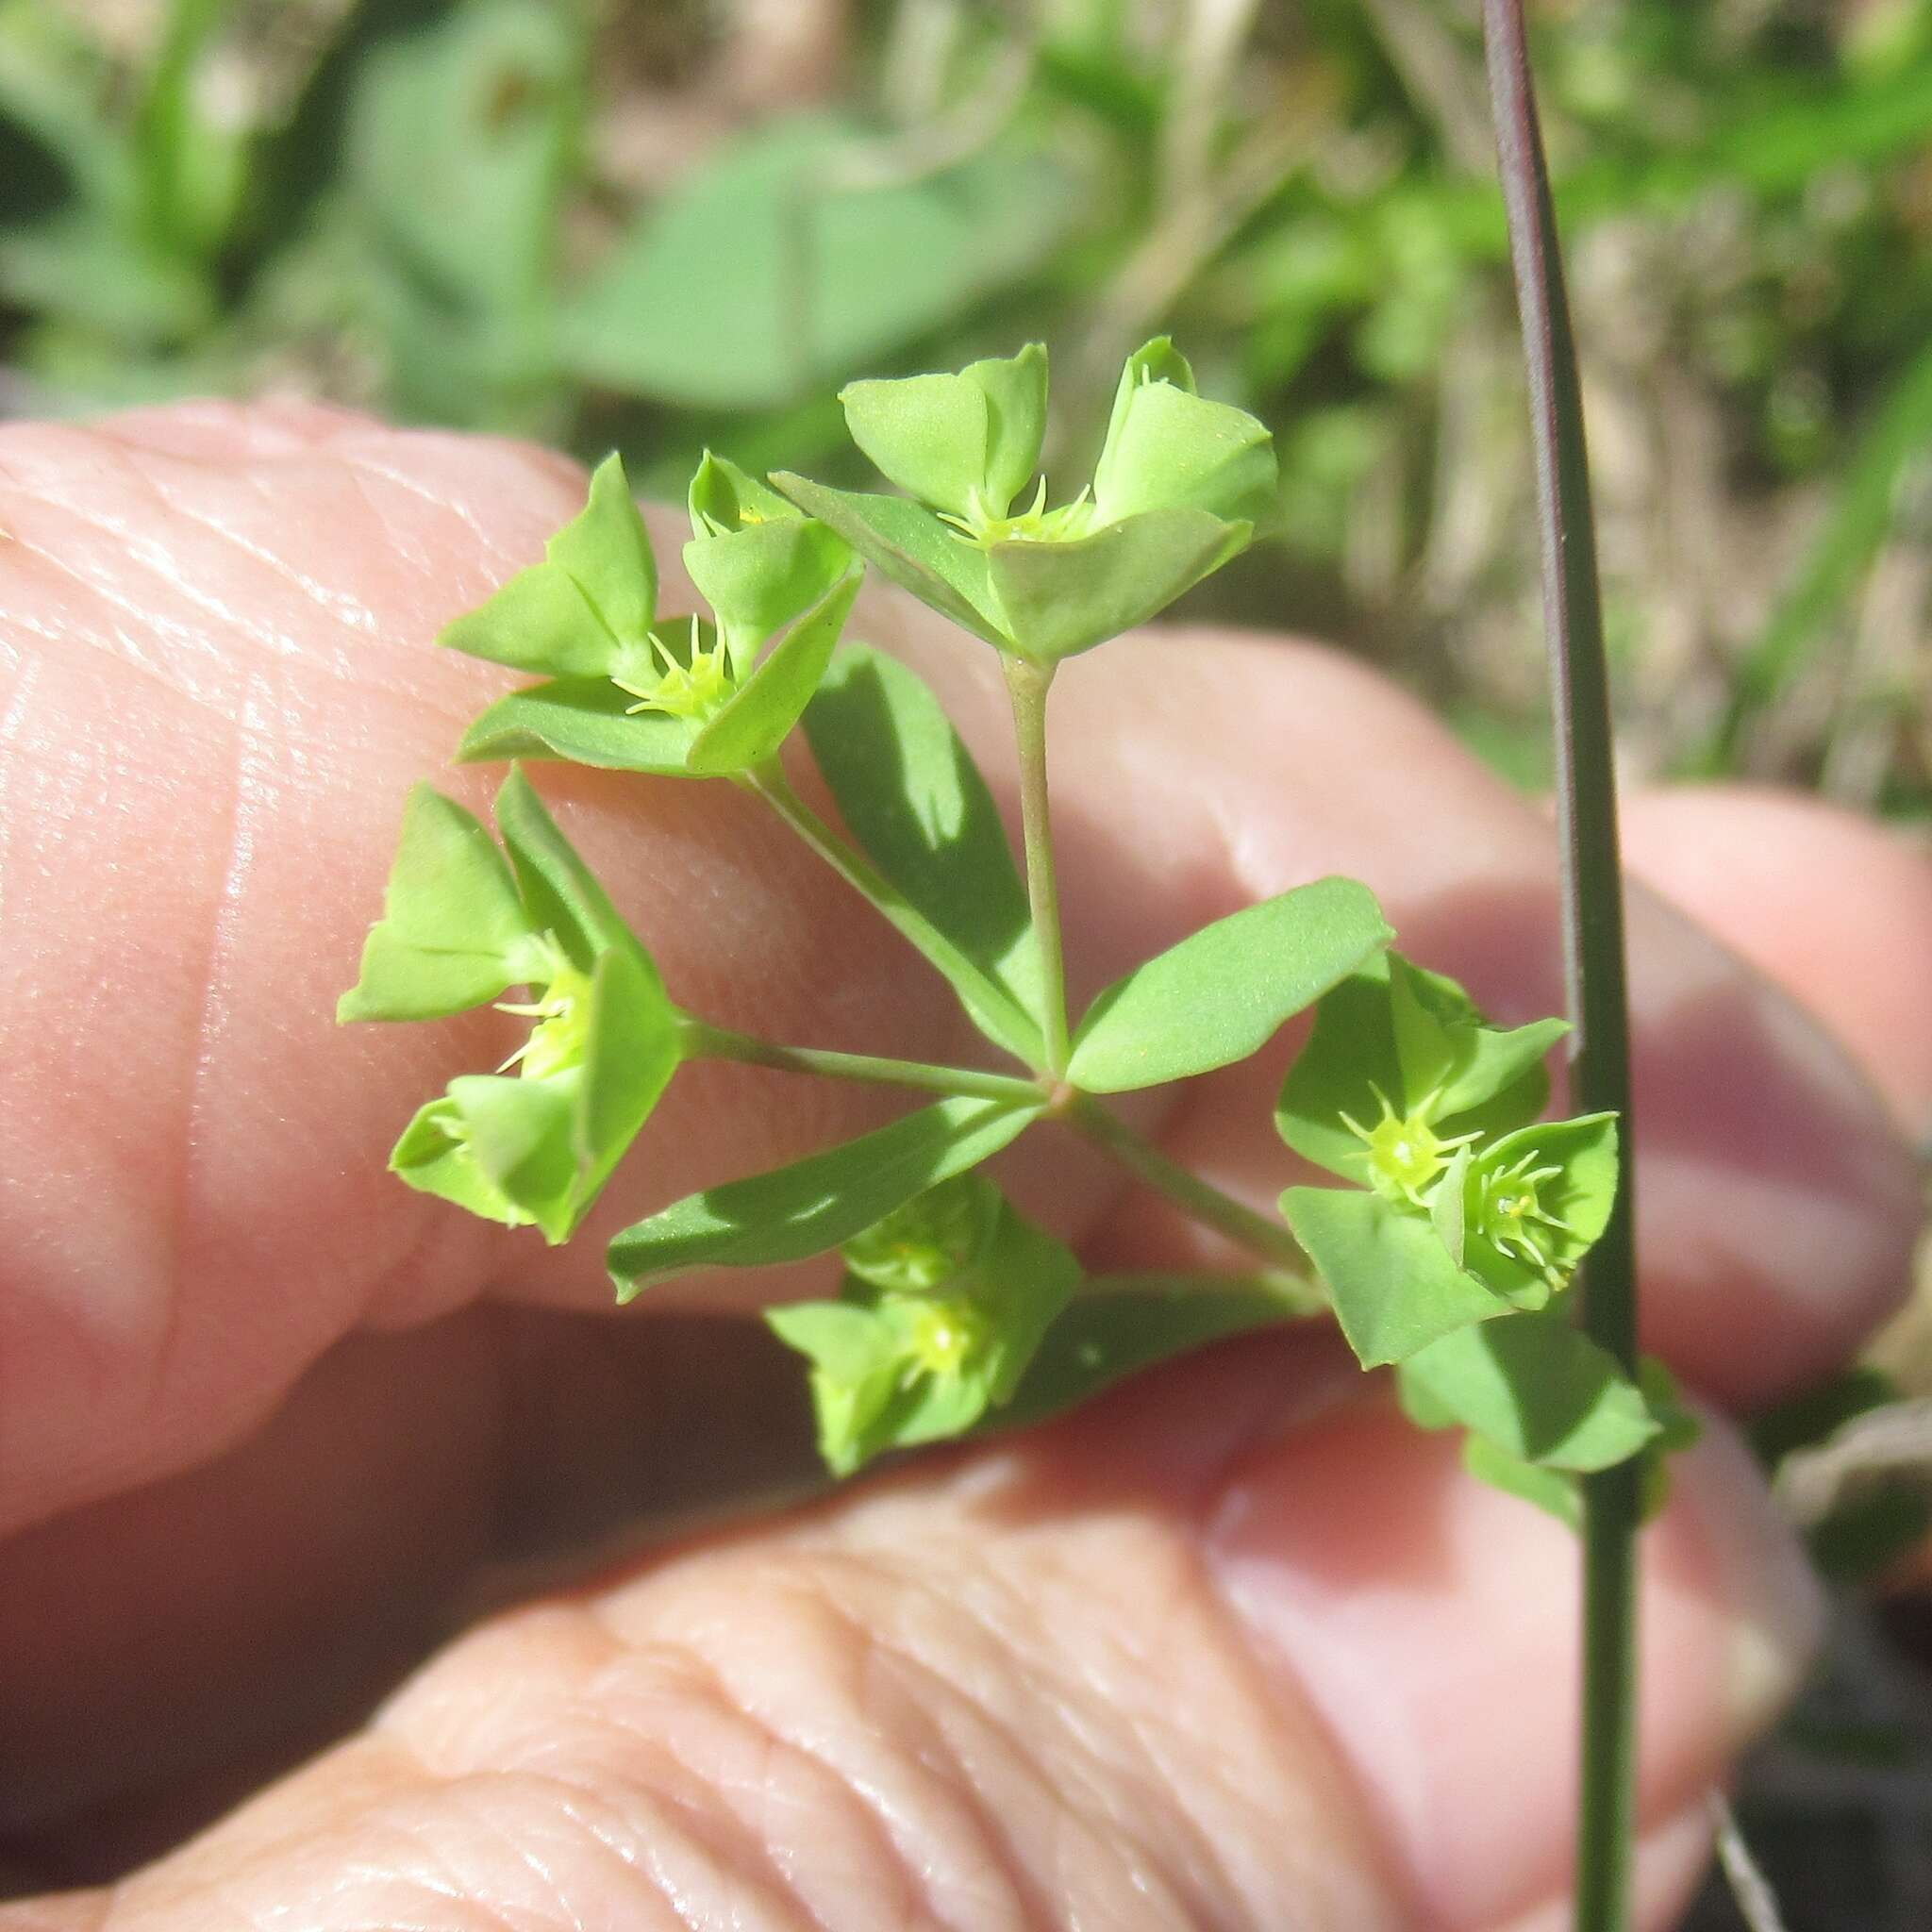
[1404,1154]
[944,1336]
[697,687]
[1514,1216]
[1036,523]
[562,1012]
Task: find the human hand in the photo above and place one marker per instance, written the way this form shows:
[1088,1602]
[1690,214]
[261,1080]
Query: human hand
[1235,1647]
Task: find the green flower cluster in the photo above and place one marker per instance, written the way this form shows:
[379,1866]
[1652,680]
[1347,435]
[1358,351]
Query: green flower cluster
[1468,1221]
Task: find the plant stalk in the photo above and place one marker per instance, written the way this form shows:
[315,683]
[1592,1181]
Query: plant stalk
[705,1041]
[1203,1201]
[770,784]
[1593,954]
[1028,686]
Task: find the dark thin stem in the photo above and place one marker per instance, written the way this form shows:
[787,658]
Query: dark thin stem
[1594,951]
[706,1041]
[1204,1202]
[1029,684]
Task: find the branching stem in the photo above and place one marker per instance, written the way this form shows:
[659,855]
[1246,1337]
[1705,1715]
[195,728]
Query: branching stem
[706,1041]
[1029,685]
[1203,1201]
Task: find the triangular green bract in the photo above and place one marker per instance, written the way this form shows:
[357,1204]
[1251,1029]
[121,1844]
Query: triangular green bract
[1358,1056]
[1394,1288]
[586,720]
[630,1052]
[758,716]
[1577,1198]
[558,890]
[539,621]
[1220,993]
[454,933]
[908,790]
[1058,598]
[910,546]
[1536,1387]
[1168,448]
[757,580]
[433,1156]
[605,551]
[816,1203]
[522,1135]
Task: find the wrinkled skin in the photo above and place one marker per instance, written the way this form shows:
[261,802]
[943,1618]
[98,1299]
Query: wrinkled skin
[1236,1648]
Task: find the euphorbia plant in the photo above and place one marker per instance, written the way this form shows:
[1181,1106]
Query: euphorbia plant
[1449,1246]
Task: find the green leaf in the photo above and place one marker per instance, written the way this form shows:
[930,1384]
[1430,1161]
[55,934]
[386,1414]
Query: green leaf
[1058,598]
[816,1203]
[1121,1325]
[522,1135]
[1167,448]
[857,1363]
[1555,1492]
[1538,1389]
[757,580]
[586,720]
[541,620]
[558,890]
[1394,1288]
[782,262]
[910,793]
[1221,995]
[963,443]
[434,1156]
[759,715]
[1393,1030]
[453,933]
[631,1050]
[605,551]
[723,498]
[911,547]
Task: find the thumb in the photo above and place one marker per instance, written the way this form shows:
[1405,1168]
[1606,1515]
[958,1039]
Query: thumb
[1241,1649]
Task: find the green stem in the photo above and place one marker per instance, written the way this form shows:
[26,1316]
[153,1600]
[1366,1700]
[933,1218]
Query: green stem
[1029,685]
[1594,954]
[705,1041]
[975,986]
[1200,1198]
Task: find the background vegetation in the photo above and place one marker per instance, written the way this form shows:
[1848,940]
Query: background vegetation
[657,224]
[667,222]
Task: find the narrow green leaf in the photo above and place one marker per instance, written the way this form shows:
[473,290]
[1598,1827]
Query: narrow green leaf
[1538,1389]
[759,717]
[910,546]
[454,933]
[816,1203]
[558,890]
[1222,994]
[606,550]
[583,720]
[539,621]
[1395,1289]
[1057,599]
[1122,1324]
[910,793]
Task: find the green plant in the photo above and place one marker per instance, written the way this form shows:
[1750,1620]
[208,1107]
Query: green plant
[1450,1246]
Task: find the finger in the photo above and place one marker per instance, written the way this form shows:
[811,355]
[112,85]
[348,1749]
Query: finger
[1196,1658]
[221,691]
[1830,906]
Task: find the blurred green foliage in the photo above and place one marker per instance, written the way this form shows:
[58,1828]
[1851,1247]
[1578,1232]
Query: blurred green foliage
[677,222]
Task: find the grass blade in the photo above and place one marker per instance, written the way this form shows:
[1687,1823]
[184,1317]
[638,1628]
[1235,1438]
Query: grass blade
[1593,948]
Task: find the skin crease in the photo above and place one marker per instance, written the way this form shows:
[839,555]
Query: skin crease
[1234,1648]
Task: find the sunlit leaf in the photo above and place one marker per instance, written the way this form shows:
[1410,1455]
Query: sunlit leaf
[816,1203]
[588,721]
[1222,994]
